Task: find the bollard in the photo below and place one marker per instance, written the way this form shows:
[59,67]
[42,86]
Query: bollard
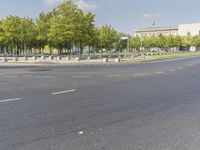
[68,58]
[5,59]
[16,59]
[34,58]
[105,60]
[117,60]
[59,58]
[43,57]
[77,58]
[50,57]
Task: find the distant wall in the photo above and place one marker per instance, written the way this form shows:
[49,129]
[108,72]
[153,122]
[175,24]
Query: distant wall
[189,29]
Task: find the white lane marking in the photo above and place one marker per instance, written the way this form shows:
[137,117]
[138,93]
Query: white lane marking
[9,76]
[190,65]
[180,68]
[140,74]
[28,76]
[81,76]
[44,76]
[172,70]
[161,72]
[62,92]
[10,100]
[112,75]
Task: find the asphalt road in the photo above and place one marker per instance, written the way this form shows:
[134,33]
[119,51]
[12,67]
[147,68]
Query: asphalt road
[147,106]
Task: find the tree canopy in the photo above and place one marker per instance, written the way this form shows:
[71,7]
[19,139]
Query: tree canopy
[69,29]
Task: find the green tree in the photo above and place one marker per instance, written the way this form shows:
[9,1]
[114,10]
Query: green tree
[195,41]
[64,31]
[135,42]
[2,44]
[27,35]
[11,32]
[42,29]
[186,41]
[121,44]
[107,37]
[173,41]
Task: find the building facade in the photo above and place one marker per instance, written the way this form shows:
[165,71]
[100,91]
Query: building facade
[182,30]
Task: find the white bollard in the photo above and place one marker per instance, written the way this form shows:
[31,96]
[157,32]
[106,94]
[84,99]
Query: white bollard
[77,58]
[50,57]
[25,58]
[59,58]
[105,60]
[16,59]
[34,58]
[43,57]
[117,60]
[5,59]
[68,58]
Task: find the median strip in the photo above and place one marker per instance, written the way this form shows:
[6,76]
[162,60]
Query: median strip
[10,100]
[62,92]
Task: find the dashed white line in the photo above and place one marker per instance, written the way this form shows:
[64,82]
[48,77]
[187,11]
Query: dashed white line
[28,76]
[180,68]
[113,75]
[81,76]
[44,76]
[172,70]
[62,92]
[140,74]
[9,76]
[190,65]
[10,100]
[161,72]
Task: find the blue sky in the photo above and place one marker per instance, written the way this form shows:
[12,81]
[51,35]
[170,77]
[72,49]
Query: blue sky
[124,15]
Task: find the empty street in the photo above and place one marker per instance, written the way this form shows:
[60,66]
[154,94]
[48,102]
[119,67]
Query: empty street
[144,106]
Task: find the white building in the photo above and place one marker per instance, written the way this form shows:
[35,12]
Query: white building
[182,30]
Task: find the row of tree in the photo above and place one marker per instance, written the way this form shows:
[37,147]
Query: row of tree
[68,29]
[166,41]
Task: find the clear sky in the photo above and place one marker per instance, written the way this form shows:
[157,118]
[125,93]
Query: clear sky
[124,15]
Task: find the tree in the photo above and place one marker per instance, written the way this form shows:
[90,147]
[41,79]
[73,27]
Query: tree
[2,44]
[107,37]
[154,41]
[27,34]
[196,41]
[11,32]
[186,41]
[135,42]
[120,44]
[173,41]
[89,36]
[64,30]
[42,29]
